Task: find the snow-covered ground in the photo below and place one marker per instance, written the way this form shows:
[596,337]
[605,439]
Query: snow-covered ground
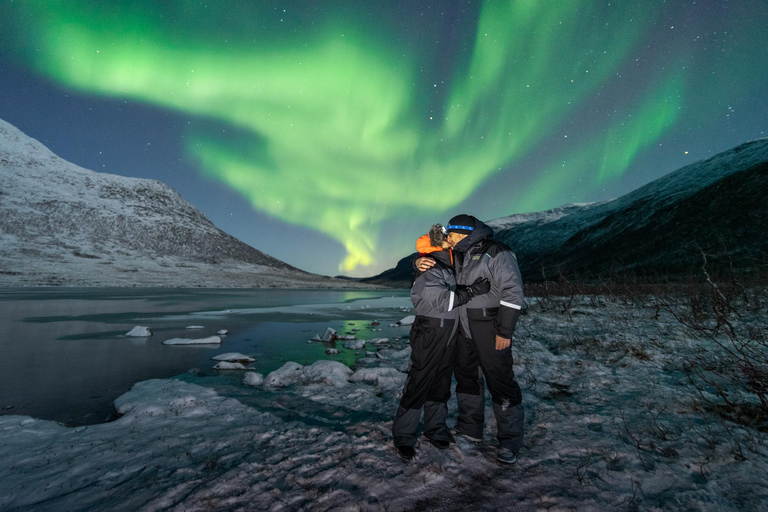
[610,424]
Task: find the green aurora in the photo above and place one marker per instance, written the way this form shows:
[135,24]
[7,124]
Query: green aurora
[332,128]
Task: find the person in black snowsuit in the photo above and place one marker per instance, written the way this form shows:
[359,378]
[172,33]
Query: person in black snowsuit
[435,298]
[487,323]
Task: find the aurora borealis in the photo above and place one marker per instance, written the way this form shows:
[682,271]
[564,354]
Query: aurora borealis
[367,123]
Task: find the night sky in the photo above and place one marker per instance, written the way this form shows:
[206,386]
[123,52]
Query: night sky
[330,134]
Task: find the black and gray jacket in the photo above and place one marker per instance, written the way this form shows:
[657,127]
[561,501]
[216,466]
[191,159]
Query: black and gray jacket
[434,292]
[480,256]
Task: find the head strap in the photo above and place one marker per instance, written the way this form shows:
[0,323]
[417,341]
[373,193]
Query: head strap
[450,227]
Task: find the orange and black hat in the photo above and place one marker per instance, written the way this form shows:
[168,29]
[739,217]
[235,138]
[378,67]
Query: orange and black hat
[424,245]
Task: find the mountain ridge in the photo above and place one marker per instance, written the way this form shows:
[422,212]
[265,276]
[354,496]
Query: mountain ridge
[714,206]
[62,224]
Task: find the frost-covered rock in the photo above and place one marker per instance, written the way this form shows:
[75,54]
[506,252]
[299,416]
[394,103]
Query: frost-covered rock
[234,357]
[331,351]
[253,379]
[388,353]
[195,327]
[330,373]
[354,344]
[408,320]
[388,378]
[289,373]
[139,332]
[222,332]
[210,340]
[329,335]
[226,365]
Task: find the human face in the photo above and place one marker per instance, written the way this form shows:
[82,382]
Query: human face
[454,238]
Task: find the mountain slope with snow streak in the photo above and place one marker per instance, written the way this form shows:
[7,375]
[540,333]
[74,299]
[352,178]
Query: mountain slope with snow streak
[61,224]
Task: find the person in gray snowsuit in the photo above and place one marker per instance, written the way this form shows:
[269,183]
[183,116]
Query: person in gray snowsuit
[436,299]
[487,324]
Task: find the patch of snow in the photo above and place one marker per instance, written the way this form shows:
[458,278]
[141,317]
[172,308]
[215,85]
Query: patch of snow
[195,327]
[222,332]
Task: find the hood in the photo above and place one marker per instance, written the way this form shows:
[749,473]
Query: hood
[481,232]
[424,247]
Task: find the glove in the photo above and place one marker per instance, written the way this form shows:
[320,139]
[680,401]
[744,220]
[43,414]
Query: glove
[481,286]
[466,293]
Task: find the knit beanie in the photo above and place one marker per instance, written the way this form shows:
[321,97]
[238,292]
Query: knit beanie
[464,224]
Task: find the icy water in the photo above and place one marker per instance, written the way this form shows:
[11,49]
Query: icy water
[65,356]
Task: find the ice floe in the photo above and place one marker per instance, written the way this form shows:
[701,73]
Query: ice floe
[139,332]
[226,365]
[234,357]
[210,340]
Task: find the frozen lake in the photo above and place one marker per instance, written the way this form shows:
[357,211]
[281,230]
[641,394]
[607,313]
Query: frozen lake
[66,357]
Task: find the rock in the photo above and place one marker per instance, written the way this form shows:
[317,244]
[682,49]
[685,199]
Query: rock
[374,322]
[222,332]
[388,378]
[195,327]
[316,337]
[346,337]
[288,374]
[388,353]
[331,351]
[234,357]
[210,340]
[253,379]
[226,365]
[354,344]
[378,341]
[330,335]
[330,373]
[408,320]
[139,332]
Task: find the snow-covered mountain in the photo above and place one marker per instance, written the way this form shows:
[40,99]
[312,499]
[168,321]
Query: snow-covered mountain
[539,218]
[61,224]
[716,205]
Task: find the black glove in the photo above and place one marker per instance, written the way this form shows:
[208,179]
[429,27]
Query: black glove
[466,293]
[481,286]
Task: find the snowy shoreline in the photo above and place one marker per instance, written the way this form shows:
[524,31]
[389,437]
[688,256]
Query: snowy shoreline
[609,421]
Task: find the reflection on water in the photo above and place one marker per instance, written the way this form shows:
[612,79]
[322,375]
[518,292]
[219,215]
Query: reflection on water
[65,356]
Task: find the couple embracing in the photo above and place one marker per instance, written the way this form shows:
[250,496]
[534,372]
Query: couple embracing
[467,296]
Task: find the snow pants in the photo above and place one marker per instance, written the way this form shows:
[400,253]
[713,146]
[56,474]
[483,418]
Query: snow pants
[477,357]
[428,385]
